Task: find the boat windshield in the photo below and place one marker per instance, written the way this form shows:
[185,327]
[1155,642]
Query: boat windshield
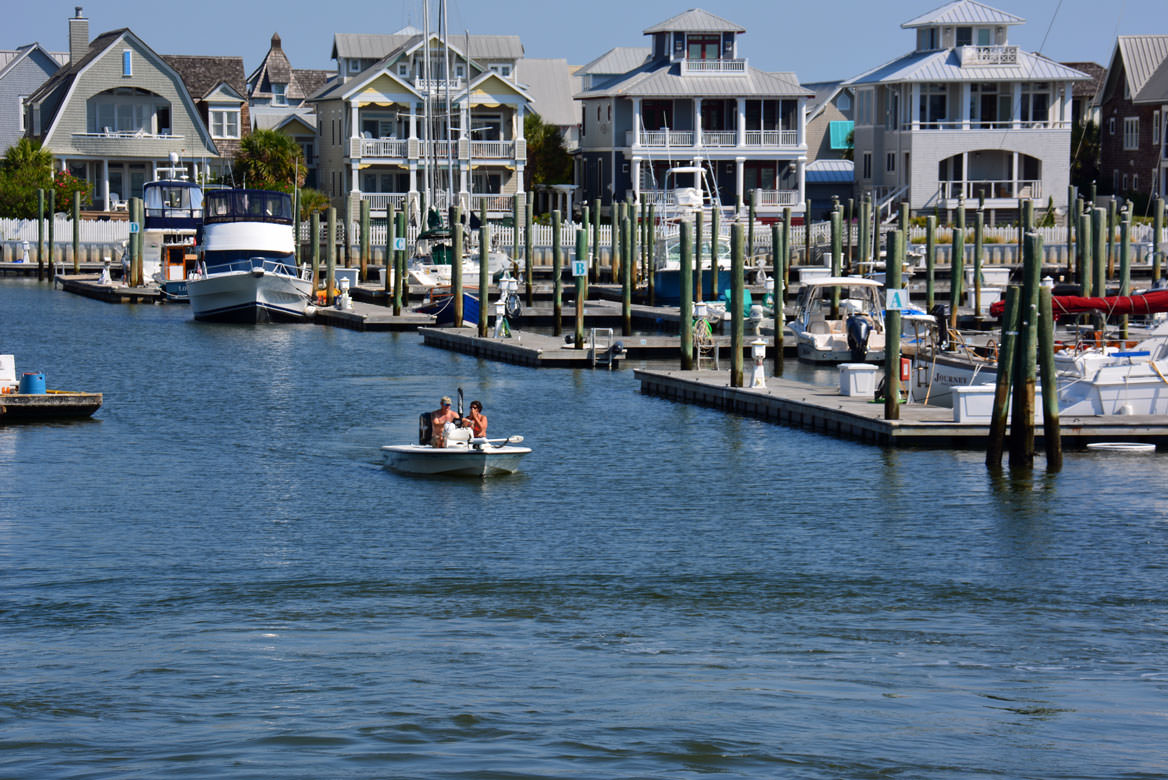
[172,204]
[248,206]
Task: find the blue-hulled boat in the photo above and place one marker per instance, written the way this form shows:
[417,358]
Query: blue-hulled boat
[441,306]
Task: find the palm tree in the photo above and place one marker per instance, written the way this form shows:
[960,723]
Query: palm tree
[27,154]
[269,160]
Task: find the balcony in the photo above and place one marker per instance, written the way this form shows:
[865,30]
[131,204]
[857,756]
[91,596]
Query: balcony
[990,189]
[979,124]
[974,56]
[495,150]
[127,144]
[713,67]
[383,148]
[768,199]
[379,201]
[720,139]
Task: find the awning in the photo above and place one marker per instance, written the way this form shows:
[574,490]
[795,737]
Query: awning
[839,134]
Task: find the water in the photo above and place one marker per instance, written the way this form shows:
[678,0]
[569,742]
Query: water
[215,577]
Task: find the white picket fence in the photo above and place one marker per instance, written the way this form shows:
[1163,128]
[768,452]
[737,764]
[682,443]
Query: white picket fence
[93,231]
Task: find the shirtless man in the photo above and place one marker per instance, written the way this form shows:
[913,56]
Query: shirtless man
[438,420]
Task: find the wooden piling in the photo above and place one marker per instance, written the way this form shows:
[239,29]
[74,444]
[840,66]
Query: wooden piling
[515,217]
[1157,231]
[836,259]
[347,232]
[633,260]
[76,216]
[957,265]
[1087,253]
[330,275]
[581,281]
[1051,438]
[1025,358]
[557,276]
[365,232]
[930,260]
[699,286]
[978,249]
[751,209]
[1099,263]
[685,250]
[737,267]
[314,252]
[864,228]
[131,280]
[715,218]
[1112,221]
[594,267]
[1072,194]
[1006,343]
[40,249]
[586,224]
[387,282]
[296,226]
[807,231]
[485,271]
[529,251]
[893,262]
[52,230]
[626,273]
[778,292]
[789,253]
[401,287]
[456,275]
[1124,264]
[650,245]
[849,217]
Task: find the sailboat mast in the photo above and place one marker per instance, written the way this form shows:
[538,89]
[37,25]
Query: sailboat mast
[428,136]
[449,110]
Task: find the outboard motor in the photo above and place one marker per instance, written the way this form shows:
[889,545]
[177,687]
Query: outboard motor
[425,428]
[859,329]
[940,313]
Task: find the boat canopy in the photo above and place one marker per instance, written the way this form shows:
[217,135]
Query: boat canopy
[247,206]
[172,205]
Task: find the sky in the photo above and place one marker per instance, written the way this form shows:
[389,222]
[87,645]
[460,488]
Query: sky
[819,41]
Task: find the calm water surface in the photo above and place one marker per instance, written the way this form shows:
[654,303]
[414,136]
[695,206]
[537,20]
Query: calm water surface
[216,578]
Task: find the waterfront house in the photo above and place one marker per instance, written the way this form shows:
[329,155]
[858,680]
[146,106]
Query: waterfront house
[964,114]
[276,94]
[22,70]
[1131,116]
[829,172]
[691,99]
[114,114]
[396,125]
[1084,105]
[217,87]
[551,83]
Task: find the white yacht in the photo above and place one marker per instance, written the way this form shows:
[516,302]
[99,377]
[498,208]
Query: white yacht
[840,319]
[248,272]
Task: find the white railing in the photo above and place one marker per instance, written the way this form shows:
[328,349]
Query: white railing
[495,203]
[939,124]
[662,138]
[495,150]
[395,148]
[988,55]
[771,137]
[720,138]
[380,201]
[1005,124]
[711,67]
[773,198]
[129,134]
[990,188]
[441,149]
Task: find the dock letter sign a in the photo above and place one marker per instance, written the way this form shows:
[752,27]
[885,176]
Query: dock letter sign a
[895,300]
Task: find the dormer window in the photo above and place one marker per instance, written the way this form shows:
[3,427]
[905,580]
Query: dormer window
[703,47]
[279,96]
[964,36]
[985,36]
[928,39]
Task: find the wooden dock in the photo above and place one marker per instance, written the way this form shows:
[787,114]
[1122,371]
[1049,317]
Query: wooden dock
[824,410]
[522,348]
[370,317]
[52,405]
[88,286]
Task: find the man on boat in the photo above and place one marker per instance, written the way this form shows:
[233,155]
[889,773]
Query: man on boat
[442,415]
[476,420]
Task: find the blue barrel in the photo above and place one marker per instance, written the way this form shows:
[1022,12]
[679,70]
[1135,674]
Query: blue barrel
[33,383]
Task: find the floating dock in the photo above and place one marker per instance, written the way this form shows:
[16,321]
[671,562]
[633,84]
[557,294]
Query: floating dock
[523,348]
[824,410]
[369,317]
[52,405]
[90,286]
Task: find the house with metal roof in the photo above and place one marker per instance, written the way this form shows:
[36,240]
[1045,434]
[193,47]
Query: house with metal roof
[22,70]
[408,117]
[114,114]
[1132,114]
[691,100]
[965,114]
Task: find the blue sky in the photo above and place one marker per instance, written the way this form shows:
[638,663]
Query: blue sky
[818,40]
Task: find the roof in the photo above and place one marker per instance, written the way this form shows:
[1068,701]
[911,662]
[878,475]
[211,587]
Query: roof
[944,65]
[311,80]
[963,12]
[1095,73]
[65,75]
[622,59]
[202,74]
[372,46]
[830,172]
[276,69]
[9,57]
[665,80]
[695,20]
[825,92]
[1156,90]
[1142,57]
[272,118]
[551,86]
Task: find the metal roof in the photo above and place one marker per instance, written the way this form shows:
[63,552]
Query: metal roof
[272,118]
[9,56]
[551,85]
[695,20]
[622,59]
[666,81]
[1142,56]
[830,171]
[371,46]
[963,12]
[944,65]
[1156,90]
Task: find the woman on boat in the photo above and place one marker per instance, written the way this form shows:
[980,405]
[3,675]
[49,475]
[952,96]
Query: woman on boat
[476,420]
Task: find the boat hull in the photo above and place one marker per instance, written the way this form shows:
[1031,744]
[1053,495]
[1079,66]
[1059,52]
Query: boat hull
[667,285]
[249,297]
[53,405]
[443,309]
[453,461]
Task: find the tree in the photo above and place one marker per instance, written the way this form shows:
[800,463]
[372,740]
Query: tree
[547,160]
[850,152]
[1084,155]
[269,160]
[312,202]
[26,168]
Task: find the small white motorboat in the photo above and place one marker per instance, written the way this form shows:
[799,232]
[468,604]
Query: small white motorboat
[464,455]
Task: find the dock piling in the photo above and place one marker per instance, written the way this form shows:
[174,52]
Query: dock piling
[893,262]
[685,301]
[626,273]
[401,288]
[581,281]
[314,250]
[1051,439]
[485,270]
[778,291]
[365,231]
[557,275]
[40,234]
[456,275]
[390,216]
[737,267]
[1025,359]
[930,260]
[957,264]
[331,256]
[1124,264]
[1006,342]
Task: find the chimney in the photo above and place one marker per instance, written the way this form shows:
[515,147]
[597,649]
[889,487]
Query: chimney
[275,40]
[78,36]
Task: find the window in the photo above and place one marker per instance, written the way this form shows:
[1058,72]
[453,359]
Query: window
[867,165]
[927,39]
[502,70]
[984,36]
[1135,182]
[1111,126]
[354,65]
[1115,182]
[20,110]
[1124,184]
[934,104]
[844,102]
[892,110]
[964,36]
[702,47]
[1035,104]
[224,122]
[403,69]
[890,162]
[279,97]
[1155,126]
[1131,133]
[127,64]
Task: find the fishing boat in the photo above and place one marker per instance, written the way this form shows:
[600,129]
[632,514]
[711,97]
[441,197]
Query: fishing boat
[173,208]
[26,399]
[688,191]
[464,454]
[840,319]
[247,271]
